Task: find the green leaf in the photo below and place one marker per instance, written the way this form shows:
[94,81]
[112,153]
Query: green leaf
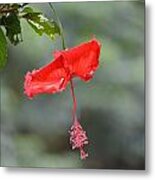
[3,49]
[15,6]
[13,28]
[41,24]
[27,10]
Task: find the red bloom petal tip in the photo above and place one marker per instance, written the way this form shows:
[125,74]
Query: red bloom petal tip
[27,85]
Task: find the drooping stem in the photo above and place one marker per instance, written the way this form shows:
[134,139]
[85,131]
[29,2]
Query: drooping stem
[59,24]
[64,47]
[74,100]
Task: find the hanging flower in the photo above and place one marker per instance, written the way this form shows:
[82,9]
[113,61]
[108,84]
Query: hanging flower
[80,61]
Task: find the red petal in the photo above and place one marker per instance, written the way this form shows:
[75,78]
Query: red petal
[51,78]
[79,61]
[82,60]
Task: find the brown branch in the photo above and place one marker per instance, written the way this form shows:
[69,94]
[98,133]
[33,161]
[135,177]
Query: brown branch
[8,10]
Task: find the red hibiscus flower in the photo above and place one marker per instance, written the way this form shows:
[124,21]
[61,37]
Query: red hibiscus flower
[80,61]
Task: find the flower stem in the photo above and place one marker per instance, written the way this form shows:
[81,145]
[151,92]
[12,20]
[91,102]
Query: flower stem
[60,25]
[64,47]
[74,100]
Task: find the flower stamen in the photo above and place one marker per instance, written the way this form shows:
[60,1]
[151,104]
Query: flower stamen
[78,138]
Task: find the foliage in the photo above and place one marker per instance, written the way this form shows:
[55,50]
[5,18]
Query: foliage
[11,23]
[3,49]
[40,23]
[10,19]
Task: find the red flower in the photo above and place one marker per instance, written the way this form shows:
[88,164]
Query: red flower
[80,61]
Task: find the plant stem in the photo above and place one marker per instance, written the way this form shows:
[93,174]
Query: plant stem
[6,8]
[64,47]
[60,25]
[9,10]
[74,99]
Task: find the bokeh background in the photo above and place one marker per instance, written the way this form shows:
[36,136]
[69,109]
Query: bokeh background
[34,133]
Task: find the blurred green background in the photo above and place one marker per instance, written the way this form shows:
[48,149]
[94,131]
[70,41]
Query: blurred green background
[34,133]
